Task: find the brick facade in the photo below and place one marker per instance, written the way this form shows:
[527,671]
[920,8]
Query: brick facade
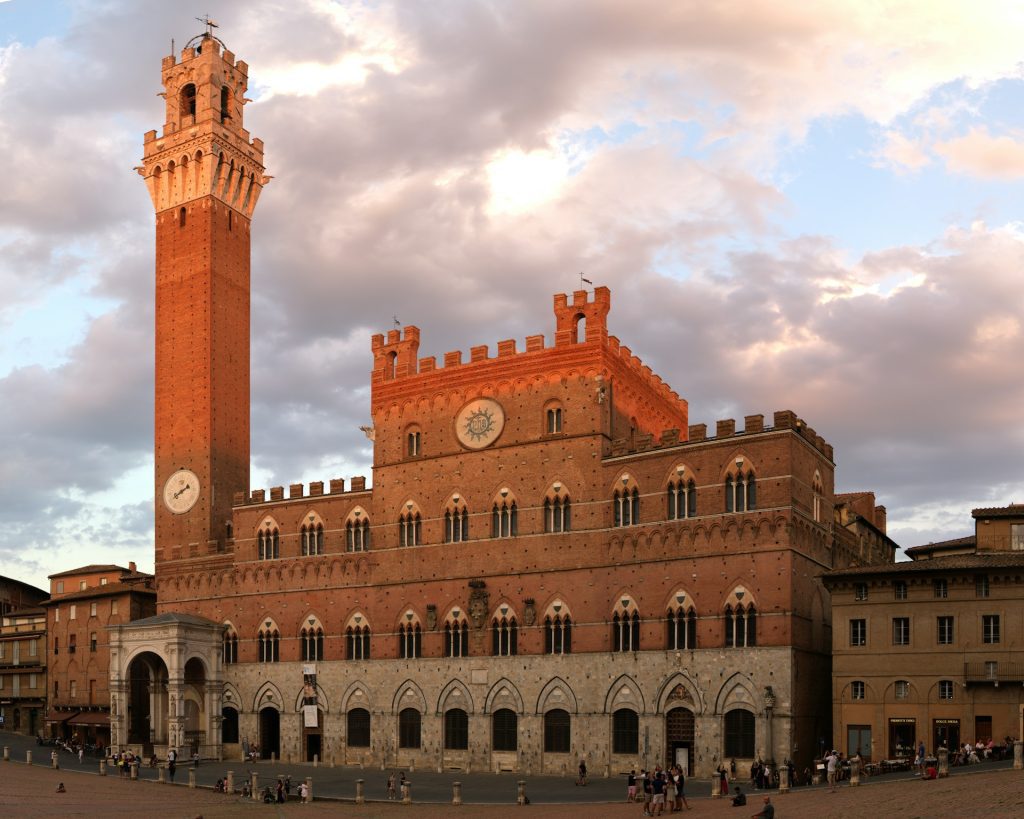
[510,491]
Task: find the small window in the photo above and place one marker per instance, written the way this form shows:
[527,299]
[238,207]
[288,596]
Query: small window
[412,443]
[901,631]
[554,420]
[72,643]
[82,585]
[940,588]
[409,722]
[991,670]
[72,611]
[557,732]
[60,587]
[92,609]
[113,607]
[945,689]
[504,730]
[225,103]
[92,642]
[981,588]
[899,589]
[858,633]
[181,217]
[945,631]
[902,689]
[625,731]
[359,728]
[990,628]
[860,591]
[857,690]
[103,581]
[1017,537]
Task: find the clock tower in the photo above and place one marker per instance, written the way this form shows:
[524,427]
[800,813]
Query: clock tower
[204,175]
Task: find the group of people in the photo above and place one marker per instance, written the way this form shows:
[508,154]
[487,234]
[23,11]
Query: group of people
[123,761]
[395,784]
[657,789]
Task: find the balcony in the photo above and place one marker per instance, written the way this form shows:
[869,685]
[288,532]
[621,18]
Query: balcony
[993,672]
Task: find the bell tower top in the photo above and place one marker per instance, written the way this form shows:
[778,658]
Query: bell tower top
[204,148]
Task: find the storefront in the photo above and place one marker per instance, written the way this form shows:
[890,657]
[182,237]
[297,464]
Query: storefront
[902,737]
[91,728]
[945,734]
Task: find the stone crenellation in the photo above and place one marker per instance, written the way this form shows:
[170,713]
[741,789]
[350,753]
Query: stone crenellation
[336,486]
[395,353]
[724,428]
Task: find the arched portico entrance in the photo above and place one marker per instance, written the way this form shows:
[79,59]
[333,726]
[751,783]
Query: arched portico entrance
[166,681]
[146,704]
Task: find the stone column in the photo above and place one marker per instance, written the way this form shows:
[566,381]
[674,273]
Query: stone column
[360,799]
[769,712]
[7,754]
[456,793]
[521,792]
[854,772]
[134,773]
[28,757]
[407,792]
[176,715]
[229,786]
[784,779]
[103,767]
[54,762]
[943,762]
[309,789]
[1018,755]
[160,774]
[191,777]
[254,786]
[716,786]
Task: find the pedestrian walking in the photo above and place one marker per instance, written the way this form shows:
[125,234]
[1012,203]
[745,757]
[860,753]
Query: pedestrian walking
[81,755]
[582,780]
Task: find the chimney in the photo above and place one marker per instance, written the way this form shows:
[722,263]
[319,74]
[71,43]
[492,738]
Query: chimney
[131,566]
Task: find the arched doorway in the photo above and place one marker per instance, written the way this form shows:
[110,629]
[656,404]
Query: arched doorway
[229,725]
[679,735]
[147,701]
[270,733]
[195,704]
[312,736]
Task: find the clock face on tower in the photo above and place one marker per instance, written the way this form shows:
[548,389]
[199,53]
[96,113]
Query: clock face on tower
[181,491]
[479,423]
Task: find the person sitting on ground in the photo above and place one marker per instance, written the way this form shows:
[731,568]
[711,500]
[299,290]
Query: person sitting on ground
[740,799]
[268,796]
[767,812]
[60,788]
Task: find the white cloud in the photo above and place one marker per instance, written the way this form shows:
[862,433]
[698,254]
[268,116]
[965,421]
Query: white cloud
[978,153]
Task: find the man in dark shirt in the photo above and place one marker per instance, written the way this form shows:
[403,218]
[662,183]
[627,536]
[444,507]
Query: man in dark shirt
[740,799]
[767,812]
[658,792]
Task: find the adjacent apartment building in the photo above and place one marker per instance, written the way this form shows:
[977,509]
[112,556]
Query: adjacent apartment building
[83,604]
[22,657]
[931,649]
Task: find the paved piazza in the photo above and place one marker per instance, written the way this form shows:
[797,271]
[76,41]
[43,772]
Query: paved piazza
[986,791]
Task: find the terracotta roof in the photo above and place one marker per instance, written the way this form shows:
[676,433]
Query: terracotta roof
[92,568]
[1014,510]
[28,611]
[986,560]
[942,545]
[109,590]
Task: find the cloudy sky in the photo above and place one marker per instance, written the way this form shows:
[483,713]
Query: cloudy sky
[807,206]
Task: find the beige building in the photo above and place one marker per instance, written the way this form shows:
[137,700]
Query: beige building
[23,670]
[930,649]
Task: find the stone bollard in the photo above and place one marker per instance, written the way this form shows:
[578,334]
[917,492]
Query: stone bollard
[854,773]
[412,765]
[456,793]
[1018,755]
[28,757]
[716,787]
[316,760]
[54,761]
[309,789]
[191,777]
[273,756]
[816,776]
[407,793]
[943,762]
[521,792]
[254,786]
[7,754]
[135,770]
[360,799]
[103,767]
[784,779]
[229,786]
[160,774]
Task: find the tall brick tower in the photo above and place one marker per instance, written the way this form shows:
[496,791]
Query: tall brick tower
[204,175]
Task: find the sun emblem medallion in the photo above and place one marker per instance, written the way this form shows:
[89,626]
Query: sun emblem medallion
[479,423]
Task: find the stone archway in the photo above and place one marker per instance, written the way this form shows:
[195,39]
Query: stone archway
[147,701]
[270,732]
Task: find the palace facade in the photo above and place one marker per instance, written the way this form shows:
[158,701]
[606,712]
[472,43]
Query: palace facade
[552,563]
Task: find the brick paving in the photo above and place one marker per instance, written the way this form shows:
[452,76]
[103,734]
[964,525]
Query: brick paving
[30,792]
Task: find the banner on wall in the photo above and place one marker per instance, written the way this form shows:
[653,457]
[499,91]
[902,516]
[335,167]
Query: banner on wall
[309,701]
